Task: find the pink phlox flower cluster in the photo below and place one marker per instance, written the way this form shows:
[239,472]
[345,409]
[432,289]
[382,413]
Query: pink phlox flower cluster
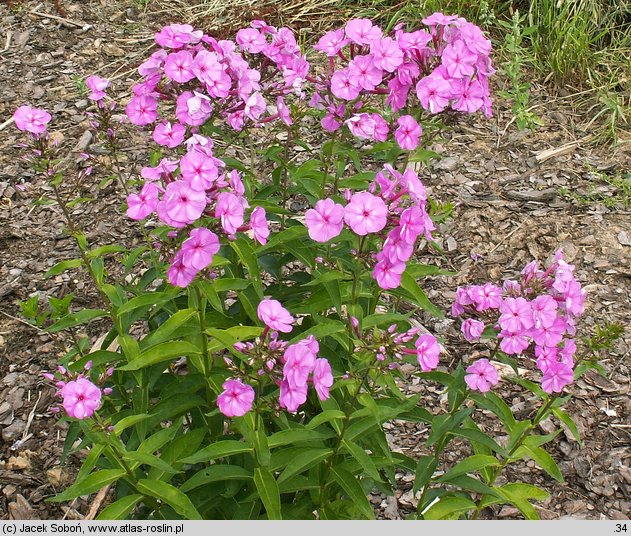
[536,313]
[80,397]
[447,64]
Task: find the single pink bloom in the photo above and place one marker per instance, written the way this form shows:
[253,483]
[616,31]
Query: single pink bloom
[182,203]
[567,352]
[386,54]
[438,19]
[481,376]
[574,298]
[411,224]
[198,249]
[291,398]
[325,221]
[381,127]
[231,211]
[388,273]
[362,32]
[470,98]
[398,96]
[544,310]
[165,168]
[434,93]
[193,109]
[549,335]
[283,111]
[33,120]
[258,224]
[179,274]
[546,355]
[139,206]
[513,343]
[97,87]
[299,363]
[414,41]
[396,249]
[487,296]
[255,106]
[427,352]
[472,329]
[275,316]
[516,315]
[366,213]
[459,60]
[322,378]
[206,66]
[251,39]
[363,70]
[169,135]
[142,110]
[343,85]
[330,123]
[408,133]
[362,126]
[178,36]
[474,39]
[331,42]
[198,170]
[236,399]
[153,64]
[81,398]
[556,376]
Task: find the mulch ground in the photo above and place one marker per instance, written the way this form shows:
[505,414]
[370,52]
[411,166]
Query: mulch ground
[509,210]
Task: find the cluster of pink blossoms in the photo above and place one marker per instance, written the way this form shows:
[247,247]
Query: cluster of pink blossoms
[396,202]
[80,397]
[224,79]
[447,65]
[290,366]
[536,315]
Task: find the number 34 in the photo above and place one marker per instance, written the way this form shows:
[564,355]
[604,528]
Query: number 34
[621,527]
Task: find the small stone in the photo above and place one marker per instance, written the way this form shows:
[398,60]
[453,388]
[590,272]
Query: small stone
[623,238]
[19,463]
[81,104]
[447,164]
[113,50]
[15,429]
[9,490]
[21,509]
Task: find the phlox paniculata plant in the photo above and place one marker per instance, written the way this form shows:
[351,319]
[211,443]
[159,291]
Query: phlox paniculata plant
[256,349]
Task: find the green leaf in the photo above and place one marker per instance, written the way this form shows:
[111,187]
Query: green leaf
[144,458]
[490,401]
[90,462]
[221,449]
[215,473]
[565,418]
[326,416]
[543,459]
[477,462]
[169,327]
[121,508]
[161,352]
[297,435]
[170,495]
[226,338]
[303,461]
[148,300]
[76,319]
[424,471]
[105,250]
[449,507]
[63,266]
[268,490]
[126,422]
[93,482]
[409,283]
[518,495]
[353,489]
[383,319]
[476,436]
[362,458]
[248,257]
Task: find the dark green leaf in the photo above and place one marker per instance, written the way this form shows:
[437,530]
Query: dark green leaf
[120,509]
[221,449]
[268,490]
[353,489]
[170,495]
[93,482]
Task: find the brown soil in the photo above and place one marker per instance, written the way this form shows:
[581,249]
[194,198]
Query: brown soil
[509,211]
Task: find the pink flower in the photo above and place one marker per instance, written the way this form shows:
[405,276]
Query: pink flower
[142,110]
[182,203]
[381,127]
[472,329]
[471,98]
[366,213]
[178,36]
[427,351]
[251,39]
[198,170]
[81,398]
[395,248]
[388,273]
[363,70]
[516,315]
[459,60]
[386,54]
[481,376]
[325,221]
[167,135]
[343,85]
[331,42]
[362,32]
[236,399]
[434,93]
[206,67]
[275,316]
[254,106]
[299,363]
[198,249]
[283,111]
[322,378]
[556,376]
[97,86]
[33,120]
[362,126]
[193,108]
[258,224]
[487,296]
[544,310]
[179,274]
[549,335]
[291,398]
[139,206]
[513,343]
[408,133]
[231,211]
[412,224]
[438,19]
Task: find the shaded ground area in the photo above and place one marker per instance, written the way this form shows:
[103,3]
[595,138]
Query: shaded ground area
[515,202]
